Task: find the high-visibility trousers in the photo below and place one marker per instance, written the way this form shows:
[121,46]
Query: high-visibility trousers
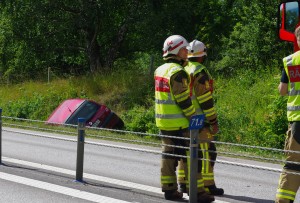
[171,148]
[289,181]
[208,153]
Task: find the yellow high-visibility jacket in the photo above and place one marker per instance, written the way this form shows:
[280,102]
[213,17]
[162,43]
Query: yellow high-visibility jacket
[202,101]
[168,114]
[292,68]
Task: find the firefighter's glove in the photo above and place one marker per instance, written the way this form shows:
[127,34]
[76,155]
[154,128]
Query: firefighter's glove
[214,128]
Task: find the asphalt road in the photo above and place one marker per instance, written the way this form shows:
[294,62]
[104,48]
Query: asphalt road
[37,169]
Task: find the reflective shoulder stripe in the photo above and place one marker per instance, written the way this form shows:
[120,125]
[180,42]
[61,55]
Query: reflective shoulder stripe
[167,70]
[194,67]
[199,68]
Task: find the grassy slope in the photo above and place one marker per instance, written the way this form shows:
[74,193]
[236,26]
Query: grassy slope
[249,107]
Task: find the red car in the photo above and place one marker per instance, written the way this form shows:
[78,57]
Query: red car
[96,115]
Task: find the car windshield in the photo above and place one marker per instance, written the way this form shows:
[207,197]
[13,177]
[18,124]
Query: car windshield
[86,110]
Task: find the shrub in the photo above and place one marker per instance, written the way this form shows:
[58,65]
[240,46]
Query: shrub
[140,119]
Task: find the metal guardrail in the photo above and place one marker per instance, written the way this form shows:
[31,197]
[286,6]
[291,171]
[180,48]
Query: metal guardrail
[0,136]
[80,149]
[81,133]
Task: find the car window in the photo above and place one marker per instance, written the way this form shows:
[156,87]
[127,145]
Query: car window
[87,110]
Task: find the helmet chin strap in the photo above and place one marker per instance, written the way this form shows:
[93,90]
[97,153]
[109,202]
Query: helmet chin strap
[203,59]
[180,60]
[183,62]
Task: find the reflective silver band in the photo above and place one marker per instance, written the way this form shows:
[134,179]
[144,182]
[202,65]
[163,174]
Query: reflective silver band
[293,92]
[293,108]
[169,116]
[157,101]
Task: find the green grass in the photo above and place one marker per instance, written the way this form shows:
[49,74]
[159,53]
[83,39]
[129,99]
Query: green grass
[250,110]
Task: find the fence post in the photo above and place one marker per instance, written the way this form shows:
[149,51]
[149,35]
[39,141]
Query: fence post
[151,65]
[80,149]
[196,123]
[49,74]
[193,165]
[0,136]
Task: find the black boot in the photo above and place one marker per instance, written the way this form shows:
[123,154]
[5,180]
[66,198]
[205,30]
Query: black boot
[182,188]
[213,190]
[173,195]
[203,197]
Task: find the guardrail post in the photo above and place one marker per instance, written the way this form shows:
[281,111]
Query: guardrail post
[80,149]
[193,165]
[196,123]
[0,136]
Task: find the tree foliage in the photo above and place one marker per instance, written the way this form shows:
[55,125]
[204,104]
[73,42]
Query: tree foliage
[252,43]
[82,36]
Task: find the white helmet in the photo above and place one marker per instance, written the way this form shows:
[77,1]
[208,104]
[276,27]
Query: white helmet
[196,49]
[173,44]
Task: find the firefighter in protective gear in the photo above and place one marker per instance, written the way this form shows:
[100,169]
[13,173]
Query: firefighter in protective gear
[173,109]
[201,93]
[290,85]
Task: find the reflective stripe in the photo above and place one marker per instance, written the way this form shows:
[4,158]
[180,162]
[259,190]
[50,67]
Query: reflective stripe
[189,111]
[203,98]
[158,101]
[168,179]
[180,174]
[183,96]
[294,92]
[210,111]
[169,116]
[200,183]
[285,194]
[293,108]
[208,176]
[205,163]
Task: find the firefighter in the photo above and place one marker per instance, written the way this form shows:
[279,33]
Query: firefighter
[290,85]
[201,93]
[173,109]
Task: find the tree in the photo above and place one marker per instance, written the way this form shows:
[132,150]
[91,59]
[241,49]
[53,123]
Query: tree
[90,35]
[253,42]
[68,34]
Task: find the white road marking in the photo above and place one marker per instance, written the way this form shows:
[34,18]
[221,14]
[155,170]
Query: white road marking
[59,189]
[93,177]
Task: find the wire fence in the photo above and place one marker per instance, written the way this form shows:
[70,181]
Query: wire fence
[138,140]
[116,135]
